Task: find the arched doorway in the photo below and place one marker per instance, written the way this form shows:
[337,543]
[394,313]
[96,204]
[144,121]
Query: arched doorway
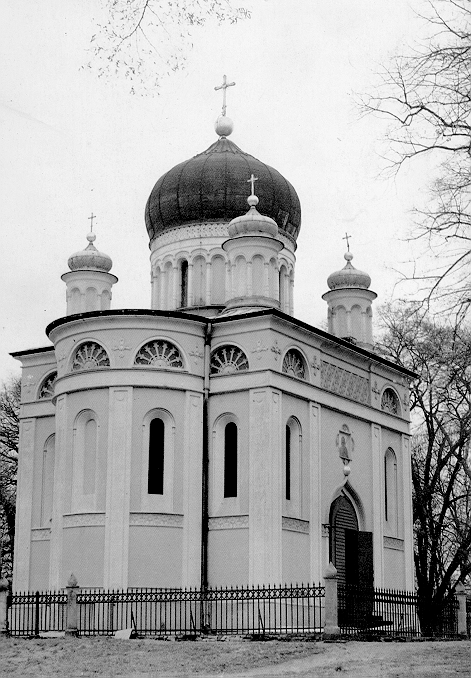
[350,549]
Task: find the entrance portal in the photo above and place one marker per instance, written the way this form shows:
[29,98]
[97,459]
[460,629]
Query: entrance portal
[350,550]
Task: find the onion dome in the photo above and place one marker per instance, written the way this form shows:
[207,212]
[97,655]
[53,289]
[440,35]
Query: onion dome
[349,276]
[253,222]
[90,259]
[210,188]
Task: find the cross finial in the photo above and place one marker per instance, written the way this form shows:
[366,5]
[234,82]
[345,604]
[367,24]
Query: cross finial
[252,181]
[92,217]
[224,86]
[346,237]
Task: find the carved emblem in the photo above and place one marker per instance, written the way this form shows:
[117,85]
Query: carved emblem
[276,349]
[197,354]
[259,349]
[120,346]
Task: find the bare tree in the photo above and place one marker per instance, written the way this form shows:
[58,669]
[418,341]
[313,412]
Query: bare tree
[426,96]
[10,395]
[145,40]
[441,470]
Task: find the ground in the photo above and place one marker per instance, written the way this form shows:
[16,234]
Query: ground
[109,657]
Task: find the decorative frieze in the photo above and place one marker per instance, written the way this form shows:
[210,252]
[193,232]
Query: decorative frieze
[345,383]
[156,519]
[393,543]
[295,525]
[84,520]
[41,534]
[228,522]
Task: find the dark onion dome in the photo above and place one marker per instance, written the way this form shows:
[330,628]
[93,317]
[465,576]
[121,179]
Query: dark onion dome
[212,186]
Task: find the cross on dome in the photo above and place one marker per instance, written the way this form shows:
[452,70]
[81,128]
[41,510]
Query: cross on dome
[346,237]
[252,181]
[91,236]
[224,87]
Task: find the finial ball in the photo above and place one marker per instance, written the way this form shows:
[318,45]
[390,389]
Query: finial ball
[223,126]
[252,200]
[91,237]
[348,256]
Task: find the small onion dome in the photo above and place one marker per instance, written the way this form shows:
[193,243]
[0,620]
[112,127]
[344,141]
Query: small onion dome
[90,259]
[253,222]
[349,276]
[224,126]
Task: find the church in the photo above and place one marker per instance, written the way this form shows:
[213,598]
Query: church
[213,439]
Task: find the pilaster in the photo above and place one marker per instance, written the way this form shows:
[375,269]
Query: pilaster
[265,487]
[25,504]
[407,503]
[377,504]
[118,488]
[315,511]
[60,467]
[192,470]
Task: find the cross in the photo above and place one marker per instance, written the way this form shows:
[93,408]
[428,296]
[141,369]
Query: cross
[224,86]
[91,220]
[252,181]
[346,237]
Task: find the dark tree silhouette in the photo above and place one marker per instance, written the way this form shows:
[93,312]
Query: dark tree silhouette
[425,94]
[10,395]
[441,466]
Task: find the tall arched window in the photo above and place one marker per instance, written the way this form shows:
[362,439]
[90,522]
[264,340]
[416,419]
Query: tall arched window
[390,492]
[47,484]
[184,283]
[155,477]
[85,462]
[230,460]
[292,486]
[288,463]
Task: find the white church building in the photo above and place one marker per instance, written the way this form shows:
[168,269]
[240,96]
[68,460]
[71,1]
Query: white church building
[213,438]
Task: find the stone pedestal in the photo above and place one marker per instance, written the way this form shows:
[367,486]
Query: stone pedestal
[331,627]
[461,596]
[3,607]
[72,617]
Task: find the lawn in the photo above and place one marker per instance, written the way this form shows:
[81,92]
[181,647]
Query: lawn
[145,658]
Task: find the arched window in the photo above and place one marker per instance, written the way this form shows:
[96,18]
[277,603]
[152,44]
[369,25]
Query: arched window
[228,359]
[218,280]
[159,353]
[288,463]
[230,460]
[155,473]
[294,365]
[390,401]
[292,469]
[85,462]
[47,481]
[89,356]
[46,390]
[390,491]
[199,281]
[184,283]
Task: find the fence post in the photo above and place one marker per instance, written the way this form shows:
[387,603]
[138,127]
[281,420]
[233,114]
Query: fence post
[331,627]
[71,628]
[460,592]
[3,607]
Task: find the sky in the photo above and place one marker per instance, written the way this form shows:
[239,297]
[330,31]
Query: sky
[73,143]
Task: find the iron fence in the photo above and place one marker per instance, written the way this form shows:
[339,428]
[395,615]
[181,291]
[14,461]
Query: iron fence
[30,614]
[239,610]
[377,611]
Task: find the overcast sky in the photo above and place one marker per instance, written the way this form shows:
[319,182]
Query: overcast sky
[72,144]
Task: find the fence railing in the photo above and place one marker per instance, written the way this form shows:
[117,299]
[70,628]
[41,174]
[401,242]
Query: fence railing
[239,610]
[30,614]
[380,611]
[333,609]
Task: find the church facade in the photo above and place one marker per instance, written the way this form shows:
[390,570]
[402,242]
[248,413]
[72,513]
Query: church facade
[213,438]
